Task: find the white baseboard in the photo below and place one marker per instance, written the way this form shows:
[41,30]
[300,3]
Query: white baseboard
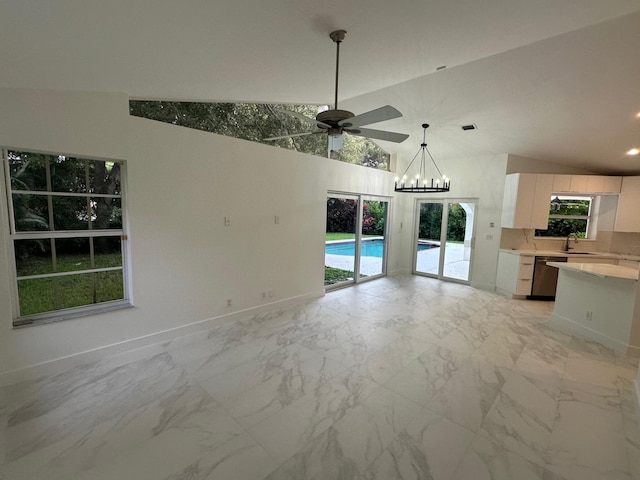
[487,287]
[399,271]
[58,365]
[569,326]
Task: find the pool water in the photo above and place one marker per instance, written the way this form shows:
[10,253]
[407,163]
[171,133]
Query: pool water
[368,248]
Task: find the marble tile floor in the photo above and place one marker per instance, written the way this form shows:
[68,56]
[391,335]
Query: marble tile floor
[400,378]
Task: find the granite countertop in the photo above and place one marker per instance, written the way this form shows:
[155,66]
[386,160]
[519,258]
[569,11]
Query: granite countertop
[599,270]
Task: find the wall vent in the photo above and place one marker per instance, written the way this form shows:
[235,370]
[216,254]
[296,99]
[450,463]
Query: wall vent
[471,126]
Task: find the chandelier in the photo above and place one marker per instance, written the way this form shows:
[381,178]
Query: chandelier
[419,183]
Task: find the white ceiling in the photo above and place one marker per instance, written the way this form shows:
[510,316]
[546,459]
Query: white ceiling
[555,80]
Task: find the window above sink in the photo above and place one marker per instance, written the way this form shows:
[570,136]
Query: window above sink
[568,216]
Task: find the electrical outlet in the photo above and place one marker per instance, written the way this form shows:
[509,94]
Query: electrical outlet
[589,316]
[263,295]
[227,221]
[228,302]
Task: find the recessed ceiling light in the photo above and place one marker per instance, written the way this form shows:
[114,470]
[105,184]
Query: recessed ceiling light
[633,151]
[638,114]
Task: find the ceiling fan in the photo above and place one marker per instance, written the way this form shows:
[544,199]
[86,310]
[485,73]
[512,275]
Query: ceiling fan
[335,122]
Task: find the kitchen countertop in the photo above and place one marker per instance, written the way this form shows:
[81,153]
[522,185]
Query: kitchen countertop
[618,256]
[599,270]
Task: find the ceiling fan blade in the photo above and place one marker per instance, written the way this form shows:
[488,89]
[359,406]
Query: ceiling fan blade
[295,135]
[378,134]
[373,116]
[302,117]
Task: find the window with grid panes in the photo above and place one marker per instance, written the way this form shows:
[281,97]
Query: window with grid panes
[66,227]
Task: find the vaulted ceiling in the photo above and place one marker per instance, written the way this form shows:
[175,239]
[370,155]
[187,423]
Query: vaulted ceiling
[551,80]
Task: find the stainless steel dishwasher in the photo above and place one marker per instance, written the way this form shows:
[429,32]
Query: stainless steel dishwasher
[545,278]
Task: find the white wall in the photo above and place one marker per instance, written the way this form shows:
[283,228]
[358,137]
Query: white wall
[181,185]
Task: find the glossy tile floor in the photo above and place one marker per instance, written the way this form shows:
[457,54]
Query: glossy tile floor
[399,378]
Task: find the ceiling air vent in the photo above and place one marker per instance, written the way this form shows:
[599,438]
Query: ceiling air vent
[471,126]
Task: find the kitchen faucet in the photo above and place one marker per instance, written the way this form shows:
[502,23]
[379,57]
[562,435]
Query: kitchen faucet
[575,240]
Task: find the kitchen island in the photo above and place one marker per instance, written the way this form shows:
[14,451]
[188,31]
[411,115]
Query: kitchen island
[599,301]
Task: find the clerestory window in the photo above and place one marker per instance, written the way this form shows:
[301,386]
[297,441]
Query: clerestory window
[67,234]
[256,122]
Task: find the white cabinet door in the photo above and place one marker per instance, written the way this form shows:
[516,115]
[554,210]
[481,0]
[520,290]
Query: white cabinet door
[541,202]
[561,183]
[595,183]
[507,274]
[628,215]
[603,184]
[526,200]
[515,273]
[579,183]
[586,184]
[612,184]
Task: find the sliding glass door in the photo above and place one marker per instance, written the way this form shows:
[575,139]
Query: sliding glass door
[356,240]
[427,259]
[373,237]
[444,238]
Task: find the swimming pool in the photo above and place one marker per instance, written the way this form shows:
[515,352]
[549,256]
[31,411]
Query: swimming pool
[368,248]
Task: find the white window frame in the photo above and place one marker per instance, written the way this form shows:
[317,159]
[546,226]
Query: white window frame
[13,235]
[590,231]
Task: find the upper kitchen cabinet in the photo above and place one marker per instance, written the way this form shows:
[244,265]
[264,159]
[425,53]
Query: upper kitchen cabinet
[579,184]
[526,200]
[561,183]
[628,216]
[603,184]
[586,184]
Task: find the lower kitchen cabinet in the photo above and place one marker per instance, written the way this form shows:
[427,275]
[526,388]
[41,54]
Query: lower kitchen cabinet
[515,274]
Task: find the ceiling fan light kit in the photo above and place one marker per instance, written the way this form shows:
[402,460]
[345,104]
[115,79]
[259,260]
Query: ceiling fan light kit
[335,122]
[419,182]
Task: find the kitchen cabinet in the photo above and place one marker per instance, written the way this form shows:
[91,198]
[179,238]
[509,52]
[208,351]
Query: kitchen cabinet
[526,200]
[628,214]
[579,184]
[603,184]
[586,184]
[612,184]
[515,274]
[561,183]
